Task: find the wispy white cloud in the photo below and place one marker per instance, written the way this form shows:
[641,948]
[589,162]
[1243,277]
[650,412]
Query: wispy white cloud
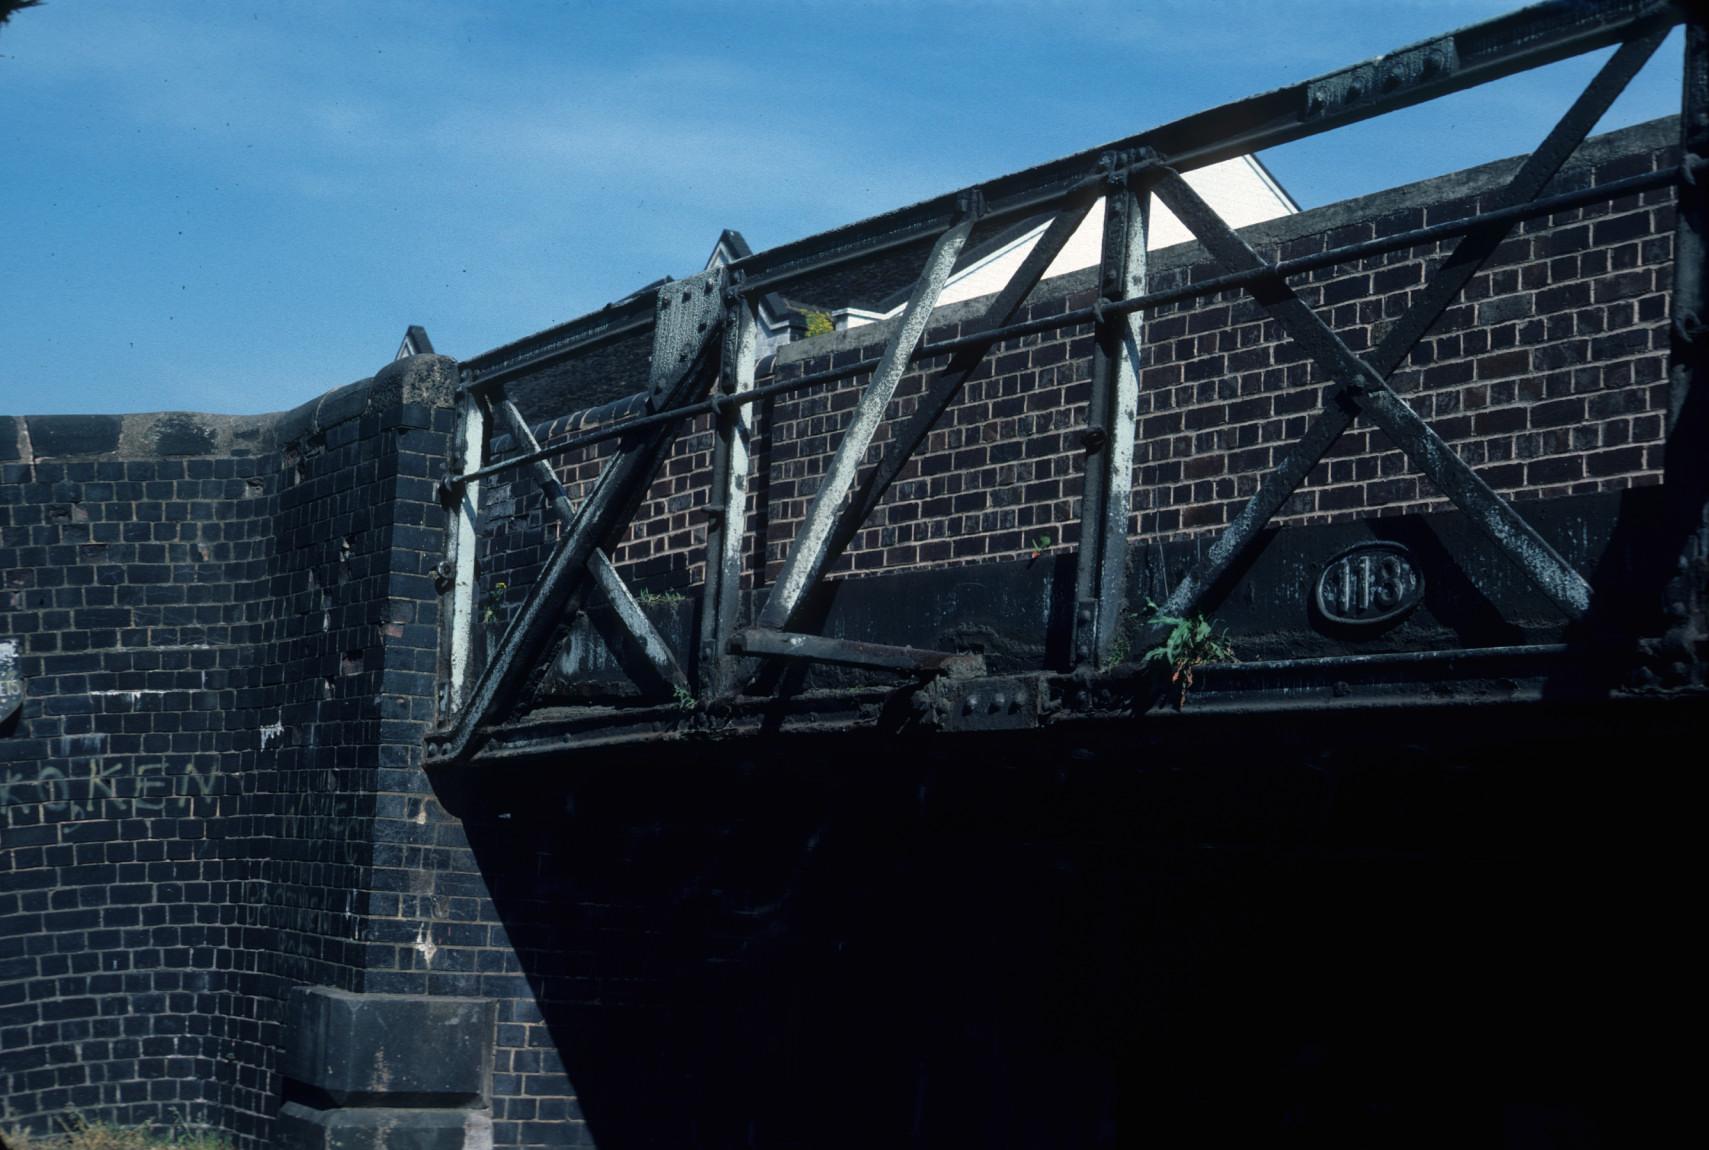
[334,171]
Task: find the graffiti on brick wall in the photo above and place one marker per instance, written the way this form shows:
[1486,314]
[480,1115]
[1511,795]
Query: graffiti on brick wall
[99,790]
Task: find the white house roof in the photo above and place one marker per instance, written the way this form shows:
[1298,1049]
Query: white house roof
[1241,191]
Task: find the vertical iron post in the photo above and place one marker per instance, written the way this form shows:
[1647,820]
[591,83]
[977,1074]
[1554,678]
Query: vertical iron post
[1686,474]
[727,505]
[460,563]
[1100,577]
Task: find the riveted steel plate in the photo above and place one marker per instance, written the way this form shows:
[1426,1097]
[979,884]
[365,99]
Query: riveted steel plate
[991,704]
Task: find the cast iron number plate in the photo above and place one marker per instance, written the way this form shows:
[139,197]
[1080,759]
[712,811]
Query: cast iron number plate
[1369,584]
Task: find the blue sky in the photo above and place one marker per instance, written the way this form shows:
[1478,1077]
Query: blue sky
[235,206]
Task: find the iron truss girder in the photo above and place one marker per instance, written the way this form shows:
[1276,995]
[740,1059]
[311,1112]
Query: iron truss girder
[1361,385]
[951,691]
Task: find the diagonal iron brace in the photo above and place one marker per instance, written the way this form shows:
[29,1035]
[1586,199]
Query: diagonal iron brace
[813,551]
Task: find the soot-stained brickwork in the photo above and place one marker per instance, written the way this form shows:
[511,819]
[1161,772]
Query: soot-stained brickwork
[226,632]
[230,633]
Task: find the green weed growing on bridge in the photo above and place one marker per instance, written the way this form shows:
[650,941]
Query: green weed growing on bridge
[1191,643]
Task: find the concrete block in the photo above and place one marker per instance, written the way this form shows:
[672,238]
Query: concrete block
[302,1127]
[388,1049]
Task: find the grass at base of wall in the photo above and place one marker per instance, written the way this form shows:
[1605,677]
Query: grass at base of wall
[79,1133]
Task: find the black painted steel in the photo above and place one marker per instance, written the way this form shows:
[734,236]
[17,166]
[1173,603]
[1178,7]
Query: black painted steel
[1100,578]
[720,603]
[1686,478]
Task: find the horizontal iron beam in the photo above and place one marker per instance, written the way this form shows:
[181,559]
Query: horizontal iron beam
[1320,689]
[1476,54]
[848,653]
[1396,659]
[1426,70]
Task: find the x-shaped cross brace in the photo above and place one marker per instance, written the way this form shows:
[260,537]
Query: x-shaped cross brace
[1362,383]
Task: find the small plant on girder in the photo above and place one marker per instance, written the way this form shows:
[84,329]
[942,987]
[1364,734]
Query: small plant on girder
[494,604]
[1192,642]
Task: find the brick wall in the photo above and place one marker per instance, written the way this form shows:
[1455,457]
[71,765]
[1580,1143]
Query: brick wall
[228,641]
[1546,376]
[127,584]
